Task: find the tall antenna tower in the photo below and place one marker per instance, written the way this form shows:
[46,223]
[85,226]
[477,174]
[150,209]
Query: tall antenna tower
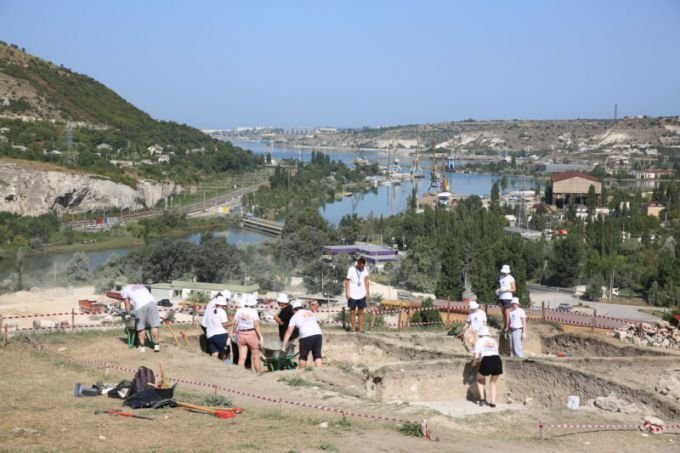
[616,111]
[69,141]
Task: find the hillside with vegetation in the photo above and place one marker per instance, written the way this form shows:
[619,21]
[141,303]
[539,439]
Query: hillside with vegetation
[42,104]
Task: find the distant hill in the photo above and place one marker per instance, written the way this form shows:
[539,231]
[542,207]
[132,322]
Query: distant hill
[39,100]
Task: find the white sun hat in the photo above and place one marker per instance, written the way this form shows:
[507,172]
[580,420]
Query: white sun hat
[515,300]
[296,304]
[505,269]
[282,298]
[474,305]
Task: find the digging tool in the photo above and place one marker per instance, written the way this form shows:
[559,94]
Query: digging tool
[120,413]
[225,412]
[167,324]
[186,340]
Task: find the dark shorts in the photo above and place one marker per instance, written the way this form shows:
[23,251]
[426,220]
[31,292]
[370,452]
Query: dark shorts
[505,303]
[491,366]
[218,343]
[356,303]
[311,344]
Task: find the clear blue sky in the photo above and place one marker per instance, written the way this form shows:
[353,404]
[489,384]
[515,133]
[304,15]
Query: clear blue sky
[215,64]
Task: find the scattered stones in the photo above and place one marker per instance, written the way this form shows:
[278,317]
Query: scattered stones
[323,425]
[62,349]
[102,437]
[663,335]
[528,401]
[614,403]
[669,384]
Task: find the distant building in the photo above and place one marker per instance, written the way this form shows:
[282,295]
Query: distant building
[104,147]
[20,148]
[375,255]
[652,173]
[179,290]
[573,186]
[654,209]
[155,149]
[524,233]
[164,158]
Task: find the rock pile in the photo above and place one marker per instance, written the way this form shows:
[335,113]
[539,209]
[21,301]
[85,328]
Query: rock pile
[662,335]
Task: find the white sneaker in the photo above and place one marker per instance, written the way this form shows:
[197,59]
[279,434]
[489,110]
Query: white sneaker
[156,348]
[142,349]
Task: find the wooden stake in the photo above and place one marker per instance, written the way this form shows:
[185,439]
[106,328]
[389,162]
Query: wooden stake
[167,324]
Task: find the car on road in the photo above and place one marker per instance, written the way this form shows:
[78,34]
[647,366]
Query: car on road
[565,307]
[164,303]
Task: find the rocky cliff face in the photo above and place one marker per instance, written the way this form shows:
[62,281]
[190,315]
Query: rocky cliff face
[31,192]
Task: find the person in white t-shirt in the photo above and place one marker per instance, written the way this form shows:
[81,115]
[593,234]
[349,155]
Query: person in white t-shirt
[475,321]
[490,364]
[357,292]
[311,339]
[146,312]
[516,328]
[506,291]
[246,324]
[216,322]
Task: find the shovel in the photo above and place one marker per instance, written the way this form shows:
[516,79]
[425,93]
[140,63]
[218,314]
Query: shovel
[120,413]
[227,412]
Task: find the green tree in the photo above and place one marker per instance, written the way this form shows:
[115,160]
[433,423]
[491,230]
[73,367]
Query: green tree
[495,197]
[565,261]
[78,269]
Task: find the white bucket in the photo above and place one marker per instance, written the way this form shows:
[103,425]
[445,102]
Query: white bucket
[573,402]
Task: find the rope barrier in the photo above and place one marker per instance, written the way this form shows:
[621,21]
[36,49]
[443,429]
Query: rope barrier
[645,426]
[110,365]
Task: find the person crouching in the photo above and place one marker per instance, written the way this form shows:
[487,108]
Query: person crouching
[311,339]
[216,328]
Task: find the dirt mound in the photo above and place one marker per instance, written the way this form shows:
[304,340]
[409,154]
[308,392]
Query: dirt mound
[573,345]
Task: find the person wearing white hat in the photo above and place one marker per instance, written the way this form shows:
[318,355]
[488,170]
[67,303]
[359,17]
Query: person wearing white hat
[311,339]
[476,319]
[216,328]
[517,328]
[490,364]
[506,290]
[283,318]
[246,328]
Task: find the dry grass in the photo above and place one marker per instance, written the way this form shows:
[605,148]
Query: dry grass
[39,412]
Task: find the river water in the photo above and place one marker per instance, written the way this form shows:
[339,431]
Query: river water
[382,200]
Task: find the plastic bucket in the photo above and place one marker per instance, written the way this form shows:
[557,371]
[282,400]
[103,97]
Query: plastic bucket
[573,402]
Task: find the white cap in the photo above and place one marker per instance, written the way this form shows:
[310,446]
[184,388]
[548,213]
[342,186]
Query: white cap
[249,300]
[515,300]
[226,293]
[296,304]
[282,298]
[474,305]
[483,331]
[505,269]
[220,300]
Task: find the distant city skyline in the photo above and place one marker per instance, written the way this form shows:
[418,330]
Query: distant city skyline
[219,65]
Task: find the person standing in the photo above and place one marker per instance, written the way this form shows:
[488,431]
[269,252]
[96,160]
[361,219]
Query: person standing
[247,326]
[490,364]
[283,318]
[475,321]
[516,328]
[311,339]
[357,292]
[139,298]
[506,291]
[216,328]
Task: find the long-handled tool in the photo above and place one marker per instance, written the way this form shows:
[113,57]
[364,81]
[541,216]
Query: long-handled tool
[227,412]
[167,324]
[186,340]
[120,413]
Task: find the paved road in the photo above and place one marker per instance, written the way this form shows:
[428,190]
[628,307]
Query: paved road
[553,298]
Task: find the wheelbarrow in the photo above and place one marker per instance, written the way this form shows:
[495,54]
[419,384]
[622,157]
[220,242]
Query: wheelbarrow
[275,359]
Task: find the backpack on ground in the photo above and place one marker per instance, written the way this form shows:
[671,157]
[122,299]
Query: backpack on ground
[143,377]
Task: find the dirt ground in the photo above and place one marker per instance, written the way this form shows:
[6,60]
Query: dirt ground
[39,411]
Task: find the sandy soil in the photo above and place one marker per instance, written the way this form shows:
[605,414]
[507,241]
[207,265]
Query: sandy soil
[42,409]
